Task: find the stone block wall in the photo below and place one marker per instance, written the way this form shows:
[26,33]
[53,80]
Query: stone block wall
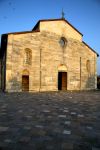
[60,28]
[47,57]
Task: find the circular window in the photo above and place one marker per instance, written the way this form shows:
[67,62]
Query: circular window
[63,42]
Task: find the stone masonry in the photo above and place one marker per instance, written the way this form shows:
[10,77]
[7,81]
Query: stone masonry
[49,58]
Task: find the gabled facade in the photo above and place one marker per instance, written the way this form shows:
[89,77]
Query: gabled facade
[51,57]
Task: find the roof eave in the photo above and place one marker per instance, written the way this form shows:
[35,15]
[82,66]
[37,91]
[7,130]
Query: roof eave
[91,48]
[23,32]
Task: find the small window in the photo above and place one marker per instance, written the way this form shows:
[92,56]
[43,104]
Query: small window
[28,56]
[88,65]
[63,42]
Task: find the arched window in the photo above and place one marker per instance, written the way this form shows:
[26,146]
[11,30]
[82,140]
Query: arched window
[28,56]
[88,66]
[63,42]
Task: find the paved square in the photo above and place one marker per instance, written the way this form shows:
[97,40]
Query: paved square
[50,121]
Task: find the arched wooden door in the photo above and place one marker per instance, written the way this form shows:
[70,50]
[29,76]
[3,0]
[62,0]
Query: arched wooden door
[25,83]
[62,80]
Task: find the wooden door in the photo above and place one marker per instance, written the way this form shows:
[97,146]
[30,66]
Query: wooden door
[62,81]
[25,83]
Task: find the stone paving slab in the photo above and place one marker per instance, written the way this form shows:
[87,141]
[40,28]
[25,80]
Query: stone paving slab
[50,121]
[3,129]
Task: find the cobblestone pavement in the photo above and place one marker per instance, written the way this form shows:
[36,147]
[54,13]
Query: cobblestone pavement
[50,121]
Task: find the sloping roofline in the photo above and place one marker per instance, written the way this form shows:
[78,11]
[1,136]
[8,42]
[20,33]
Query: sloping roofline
[90,48]
[23,32]
[56,20]
[35,29]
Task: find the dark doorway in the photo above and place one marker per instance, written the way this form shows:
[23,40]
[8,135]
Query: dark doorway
[25,83]
[62,80]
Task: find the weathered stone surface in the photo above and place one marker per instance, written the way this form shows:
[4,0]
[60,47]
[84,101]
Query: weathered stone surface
[46,130]
[24,139]
[67,122]
[62,116]
[67,132]
[3,129]
[48,58]
[67,146]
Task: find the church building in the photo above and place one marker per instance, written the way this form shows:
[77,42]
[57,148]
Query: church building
[50,57]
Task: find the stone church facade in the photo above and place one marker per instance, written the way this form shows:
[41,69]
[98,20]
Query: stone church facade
[51,57]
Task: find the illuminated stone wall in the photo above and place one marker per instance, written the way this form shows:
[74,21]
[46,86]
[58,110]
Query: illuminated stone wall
[48,58]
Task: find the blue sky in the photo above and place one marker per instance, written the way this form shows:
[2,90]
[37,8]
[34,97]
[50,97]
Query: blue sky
[22,15]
